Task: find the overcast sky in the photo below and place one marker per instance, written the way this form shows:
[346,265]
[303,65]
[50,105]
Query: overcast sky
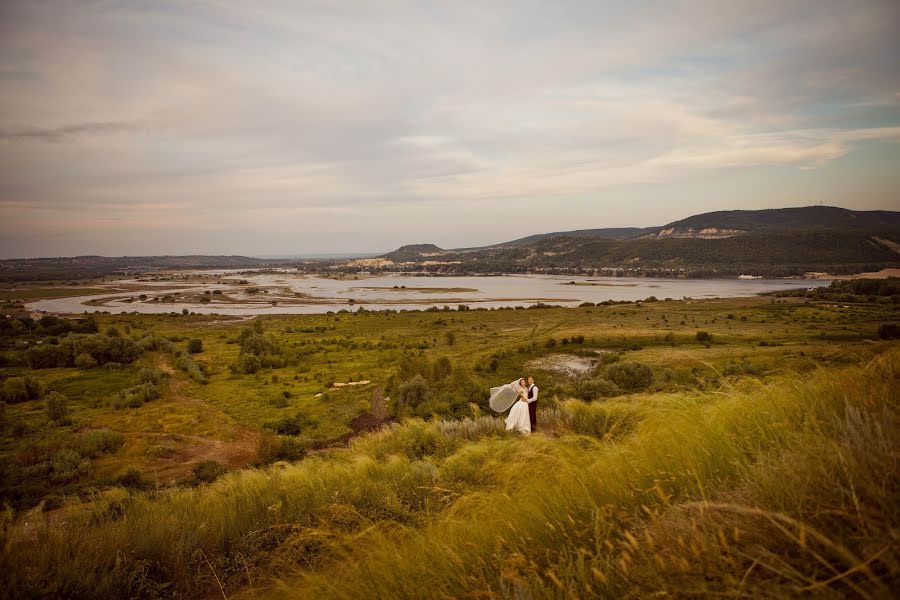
[261,128]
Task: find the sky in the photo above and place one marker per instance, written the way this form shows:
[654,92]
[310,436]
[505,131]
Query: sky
[283,128]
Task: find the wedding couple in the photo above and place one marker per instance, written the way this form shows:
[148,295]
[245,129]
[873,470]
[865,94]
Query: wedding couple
[523,414]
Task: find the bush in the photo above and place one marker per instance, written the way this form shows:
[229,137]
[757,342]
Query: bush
[208,471]
[57,406]
[703,336]
[195,346]
[20,389]
[131,478]
[99,442]
[136,396]
[289,425]
[743,367]
[629,375]
[273,447]
[889,331]
[249,364]
[46,357]
[592,388]
[85,361]
[187,364]
[67,465]
[411,393]
[151,375]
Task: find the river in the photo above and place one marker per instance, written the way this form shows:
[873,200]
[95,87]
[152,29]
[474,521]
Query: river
[280,293]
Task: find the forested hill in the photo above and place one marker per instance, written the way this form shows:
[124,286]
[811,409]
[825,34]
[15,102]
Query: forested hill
[809,218]
[777,242]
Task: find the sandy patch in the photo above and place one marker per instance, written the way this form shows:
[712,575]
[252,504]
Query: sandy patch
[566,364]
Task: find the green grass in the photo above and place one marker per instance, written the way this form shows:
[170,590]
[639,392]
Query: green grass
[25,293]
[665,493]
[758,484]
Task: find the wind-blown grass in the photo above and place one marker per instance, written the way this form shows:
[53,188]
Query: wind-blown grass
[764,489]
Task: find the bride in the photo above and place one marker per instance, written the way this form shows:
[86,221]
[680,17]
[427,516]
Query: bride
[518,418]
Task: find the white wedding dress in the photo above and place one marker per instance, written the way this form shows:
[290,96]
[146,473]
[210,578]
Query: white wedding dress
[518,418]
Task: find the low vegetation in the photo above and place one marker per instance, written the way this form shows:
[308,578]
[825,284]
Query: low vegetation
[359,458]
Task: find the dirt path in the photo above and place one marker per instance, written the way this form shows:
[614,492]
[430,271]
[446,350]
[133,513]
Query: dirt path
[236,454]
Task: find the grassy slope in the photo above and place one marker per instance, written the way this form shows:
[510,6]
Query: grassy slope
[351,513]
[766,488]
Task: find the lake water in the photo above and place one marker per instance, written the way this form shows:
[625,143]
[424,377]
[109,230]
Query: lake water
[282,293]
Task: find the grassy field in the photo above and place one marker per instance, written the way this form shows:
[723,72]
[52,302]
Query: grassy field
[26,293]
[758,458]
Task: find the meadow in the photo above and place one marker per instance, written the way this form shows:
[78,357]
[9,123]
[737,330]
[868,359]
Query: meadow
[738,447]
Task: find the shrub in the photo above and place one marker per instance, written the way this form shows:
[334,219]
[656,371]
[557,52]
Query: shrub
[57,406]
[591,388]
[67,465]
[249,364]
[451,338]
[131,478]
[195,346]
[20,389]
[273,447]
[187,364]
[136,396]
[2,414]
[743,367]
[411,393]
[151,375]
[289,425]
[102,441]
[208,471]
[378,408]
[889,331]
[703,336]
[46,357]
[629,375]
[85,361]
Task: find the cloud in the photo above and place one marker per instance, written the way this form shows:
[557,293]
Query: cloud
[325,112]
[66,132]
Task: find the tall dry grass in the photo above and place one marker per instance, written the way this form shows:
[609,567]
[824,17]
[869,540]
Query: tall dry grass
[775,488]
[768,490]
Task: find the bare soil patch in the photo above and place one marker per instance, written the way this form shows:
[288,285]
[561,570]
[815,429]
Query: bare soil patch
[565,364]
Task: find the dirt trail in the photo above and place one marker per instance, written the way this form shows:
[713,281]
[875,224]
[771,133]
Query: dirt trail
[237,453]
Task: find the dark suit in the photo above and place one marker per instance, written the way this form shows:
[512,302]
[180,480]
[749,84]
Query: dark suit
[532,407]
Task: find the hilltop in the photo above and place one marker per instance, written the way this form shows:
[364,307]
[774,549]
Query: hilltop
[773,242]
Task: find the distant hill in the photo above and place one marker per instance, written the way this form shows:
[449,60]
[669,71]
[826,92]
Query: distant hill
[613,233]
[83,267]
[775,242]
[414,252]
[809,218]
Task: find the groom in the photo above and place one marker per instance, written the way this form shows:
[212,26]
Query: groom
[532,403]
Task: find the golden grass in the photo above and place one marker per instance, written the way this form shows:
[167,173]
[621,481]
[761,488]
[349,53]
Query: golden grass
[763,488]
